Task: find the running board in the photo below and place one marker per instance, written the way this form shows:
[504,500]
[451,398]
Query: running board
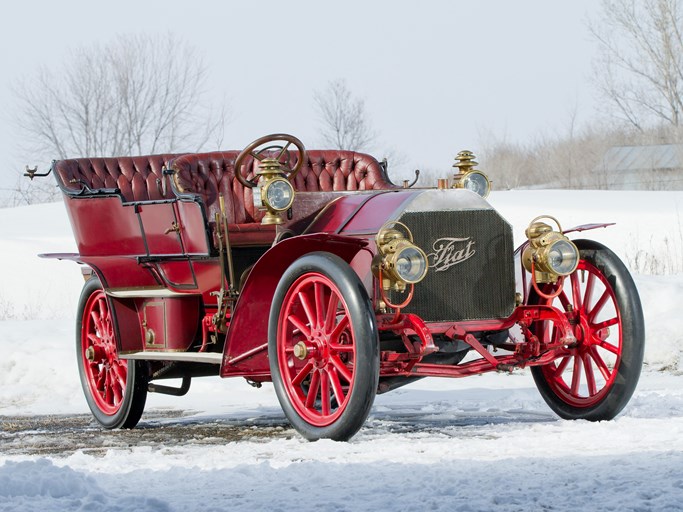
[183,357]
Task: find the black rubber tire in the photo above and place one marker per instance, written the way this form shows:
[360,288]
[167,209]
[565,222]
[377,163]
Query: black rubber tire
[135,395]
[365,334]
[633,341]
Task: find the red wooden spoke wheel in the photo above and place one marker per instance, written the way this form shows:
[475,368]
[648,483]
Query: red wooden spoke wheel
[595,377]
[317,351]
[105,373]
[323,347]
[115,389]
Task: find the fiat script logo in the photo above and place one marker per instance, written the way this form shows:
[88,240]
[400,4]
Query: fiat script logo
[449,252]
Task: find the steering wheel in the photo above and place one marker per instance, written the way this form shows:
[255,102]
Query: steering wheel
[261,155]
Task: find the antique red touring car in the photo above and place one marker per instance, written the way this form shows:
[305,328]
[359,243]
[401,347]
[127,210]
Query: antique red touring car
[314,271]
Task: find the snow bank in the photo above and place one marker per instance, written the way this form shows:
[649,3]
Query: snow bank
[40,485]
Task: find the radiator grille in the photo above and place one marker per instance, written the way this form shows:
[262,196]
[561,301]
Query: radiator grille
[471,274]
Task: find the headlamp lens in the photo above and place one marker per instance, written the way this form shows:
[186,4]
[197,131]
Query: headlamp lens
[478,183]
[279,194]
[563,257]
[411,264]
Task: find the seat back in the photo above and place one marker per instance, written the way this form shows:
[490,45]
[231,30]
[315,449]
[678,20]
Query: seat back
[139,178]
[211,175]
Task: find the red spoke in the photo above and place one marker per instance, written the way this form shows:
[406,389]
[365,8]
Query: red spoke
[588,293]
[336,385]
[595,311]
[301,376]
[609,347]
[343,324]
[564,300]
[337,347]
[107,387]
[319,293]
[600,363]
[590,376]
[576,377]
[101,381]
[115,388]
[331,311]
[308,308]
[95,315]
[102,309]
[562,366]
[341,368]
[576,290]
[299,325]
[120,374]
[606,323]
[313,390]
[325,393]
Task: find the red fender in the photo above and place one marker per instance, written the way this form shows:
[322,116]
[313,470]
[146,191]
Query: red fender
[246,345]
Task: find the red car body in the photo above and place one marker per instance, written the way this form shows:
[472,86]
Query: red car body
[308,308]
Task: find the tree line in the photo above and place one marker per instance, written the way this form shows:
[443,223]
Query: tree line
[138,95]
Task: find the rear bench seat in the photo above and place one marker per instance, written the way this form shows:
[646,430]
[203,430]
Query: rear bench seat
[207,175]
[210,175]
[138,178]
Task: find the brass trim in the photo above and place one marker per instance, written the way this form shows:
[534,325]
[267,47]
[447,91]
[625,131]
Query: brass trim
[465,163]
[535,256]
[264,194]
[144,291]
[393,238]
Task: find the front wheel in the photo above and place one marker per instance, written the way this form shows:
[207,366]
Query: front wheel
[115,389]
[323,347]
[595,378]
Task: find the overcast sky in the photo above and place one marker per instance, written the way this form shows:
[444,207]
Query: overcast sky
[436,76]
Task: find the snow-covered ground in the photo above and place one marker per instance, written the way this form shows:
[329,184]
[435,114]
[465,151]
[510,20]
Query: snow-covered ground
[480,443]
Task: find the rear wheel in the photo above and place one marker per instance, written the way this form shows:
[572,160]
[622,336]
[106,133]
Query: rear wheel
[115,389]
[596,377]
[323,347]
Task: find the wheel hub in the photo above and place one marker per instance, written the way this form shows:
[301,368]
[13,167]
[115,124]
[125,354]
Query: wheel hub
[321,352]
[300,350]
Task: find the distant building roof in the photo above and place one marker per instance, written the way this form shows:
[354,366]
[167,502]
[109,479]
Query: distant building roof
[643,158]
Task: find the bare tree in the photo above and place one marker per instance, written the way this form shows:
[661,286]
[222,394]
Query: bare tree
[135,95]
[343,119]
[639,68]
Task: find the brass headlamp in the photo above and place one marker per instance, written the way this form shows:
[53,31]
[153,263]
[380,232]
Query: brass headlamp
[273,192]
[468,177]
[549,254]
[399,261]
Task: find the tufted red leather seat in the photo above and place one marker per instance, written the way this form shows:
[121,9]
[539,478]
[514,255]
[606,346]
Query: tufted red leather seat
[138,178]
[211,175]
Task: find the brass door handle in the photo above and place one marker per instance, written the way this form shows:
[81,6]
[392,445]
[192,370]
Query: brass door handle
[174,227]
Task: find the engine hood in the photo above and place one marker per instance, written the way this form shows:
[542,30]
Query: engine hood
[366,213]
